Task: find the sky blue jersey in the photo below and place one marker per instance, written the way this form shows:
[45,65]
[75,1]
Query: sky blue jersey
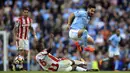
[114,39]
[81,20]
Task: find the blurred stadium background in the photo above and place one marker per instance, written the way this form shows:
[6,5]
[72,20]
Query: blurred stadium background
[51,16]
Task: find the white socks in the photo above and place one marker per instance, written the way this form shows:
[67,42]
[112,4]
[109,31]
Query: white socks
[77,62]
[80,69]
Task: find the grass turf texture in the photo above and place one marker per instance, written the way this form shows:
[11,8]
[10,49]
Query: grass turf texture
[63,72]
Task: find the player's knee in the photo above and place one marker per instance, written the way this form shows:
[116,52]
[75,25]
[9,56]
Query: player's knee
[70,68]
[90,40]
[82,32]
[72,62]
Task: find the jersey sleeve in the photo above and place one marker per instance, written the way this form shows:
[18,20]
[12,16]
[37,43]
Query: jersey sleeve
[31,21]
[17,23]
[111,38]
[79,13]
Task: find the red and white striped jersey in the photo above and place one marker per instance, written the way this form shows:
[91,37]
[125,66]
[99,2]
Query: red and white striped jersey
[23,27]
[47,61]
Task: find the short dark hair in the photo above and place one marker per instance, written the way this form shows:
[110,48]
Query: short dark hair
[25,8]
[91,6]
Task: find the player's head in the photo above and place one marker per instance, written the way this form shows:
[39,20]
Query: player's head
[91,10]
[25,12]
[118,32]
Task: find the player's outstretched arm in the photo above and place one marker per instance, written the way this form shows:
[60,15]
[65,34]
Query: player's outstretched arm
[33,32]
[70,20]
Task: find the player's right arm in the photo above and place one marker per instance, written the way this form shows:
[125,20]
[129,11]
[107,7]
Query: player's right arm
[73,15]
[15,30]
[70,19]
[110,40]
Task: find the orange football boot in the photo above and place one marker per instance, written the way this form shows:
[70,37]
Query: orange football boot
[90,49]
[78,46]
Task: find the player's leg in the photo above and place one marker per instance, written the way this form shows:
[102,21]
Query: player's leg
[65,63]
[111,59]
[79,68]
[66,69]
[69,65]
[26,54]
[73,34]
[85,39]
[78,65]
[77,62]
[77,34]
[22,46]
[116,60]
[17,63]
[90,39]
[83,35]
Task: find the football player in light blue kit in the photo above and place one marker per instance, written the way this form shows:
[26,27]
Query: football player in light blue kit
[113,51]
[77,23]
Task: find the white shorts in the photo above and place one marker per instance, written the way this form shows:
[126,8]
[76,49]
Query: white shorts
[113,53]
[67,69]
[73,34]
[22,44]
[65,65]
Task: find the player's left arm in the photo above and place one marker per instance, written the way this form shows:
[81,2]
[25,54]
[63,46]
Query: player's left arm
[110,40]
[70,20]
[32,31]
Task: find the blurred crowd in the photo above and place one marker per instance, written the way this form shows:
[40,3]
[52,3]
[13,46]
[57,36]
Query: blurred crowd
[50,16]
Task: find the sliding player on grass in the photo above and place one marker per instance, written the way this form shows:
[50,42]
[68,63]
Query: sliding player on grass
[51,63]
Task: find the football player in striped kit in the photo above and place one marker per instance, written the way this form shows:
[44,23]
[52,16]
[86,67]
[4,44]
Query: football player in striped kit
[21,30]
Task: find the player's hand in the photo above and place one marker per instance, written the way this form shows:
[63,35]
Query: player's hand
[16,38]
[35,38]
[113,46]
[33,33]
[68,27]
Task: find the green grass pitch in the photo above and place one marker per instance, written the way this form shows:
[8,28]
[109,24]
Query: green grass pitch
[63,72]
